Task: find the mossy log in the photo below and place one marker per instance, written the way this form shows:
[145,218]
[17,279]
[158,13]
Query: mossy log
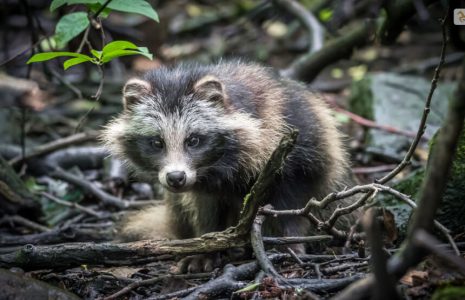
[14,196]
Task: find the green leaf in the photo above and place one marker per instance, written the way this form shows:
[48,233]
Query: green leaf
[48,44]
[118,45]
[70,26]
[51,55]
[326,14]
[118,53]
[141,7]
[249,288]
[97,54]
[341,118]
[95,7]
[74,61]
[56,4]
[122,48]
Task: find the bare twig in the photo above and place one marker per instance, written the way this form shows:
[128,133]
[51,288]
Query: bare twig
[294,256]
[97,192]
[96,97]
[369,190]
[174,295]
[56,145]
[77,92]
[98,12]
[296,239]
[445,231]
[343,267]
[373,169]
[422,126]
[74,205]
[348,209]
[154,280]
[25,222]
[63,234]
[370,124]
[84,40]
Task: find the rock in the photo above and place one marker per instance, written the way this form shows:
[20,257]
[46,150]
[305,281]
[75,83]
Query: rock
[398,101]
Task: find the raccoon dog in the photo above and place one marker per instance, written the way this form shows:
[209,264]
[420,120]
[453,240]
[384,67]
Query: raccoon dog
[205,133]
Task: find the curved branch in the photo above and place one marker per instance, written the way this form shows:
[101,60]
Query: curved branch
[307,67]
[314,28]
[256,239]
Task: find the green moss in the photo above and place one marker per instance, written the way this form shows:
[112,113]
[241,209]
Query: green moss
[449,293]
[411,185]
[452,209]
[402,212]
[361,98]
[245,202]
[458,168]
[361,101]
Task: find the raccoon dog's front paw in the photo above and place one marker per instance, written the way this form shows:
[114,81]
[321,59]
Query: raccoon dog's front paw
[199,263]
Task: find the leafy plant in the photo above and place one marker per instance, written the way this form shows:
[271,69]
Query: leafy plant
[73,24]
[109,52]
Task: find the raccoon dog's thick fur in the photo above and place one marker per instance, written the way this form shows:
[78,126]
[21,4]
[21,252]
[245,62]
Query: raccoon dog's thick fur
[206,132]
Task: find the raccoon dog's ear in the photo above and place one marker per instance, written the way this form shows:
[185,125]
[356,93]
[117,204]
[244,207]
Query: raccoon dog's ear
[209,88]
[134,90]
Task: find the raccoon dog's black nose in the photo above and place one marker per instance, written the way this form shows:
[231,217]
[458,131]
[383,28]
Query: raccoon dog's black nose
[176,179]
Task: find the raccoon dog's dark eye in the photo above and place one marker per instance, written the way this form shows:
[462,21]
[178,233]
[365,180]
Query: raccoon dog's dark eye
[193,141]
[156,143]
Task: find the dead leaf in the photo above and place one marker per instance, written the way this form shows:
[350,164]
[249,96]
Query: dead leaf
[390,227]
[415,278]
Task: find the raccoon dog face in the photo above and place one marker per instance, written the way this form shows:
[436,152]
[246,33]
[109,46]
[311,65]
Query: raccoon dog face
[178,135]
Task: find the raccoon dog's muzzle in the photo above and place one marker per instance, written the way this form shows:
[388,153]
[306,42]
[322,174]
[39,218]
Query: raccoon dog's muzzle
[177,178]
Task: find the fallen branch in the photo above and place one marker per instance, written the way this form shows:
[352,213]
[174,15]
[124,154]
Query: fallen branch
[58,235]
[308,66]
[154,280]
[73,254]
[261,188]
[25,222]
[234,278]
[296,239]
[56,145]
[370,124]
[258,247]
[91,188]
